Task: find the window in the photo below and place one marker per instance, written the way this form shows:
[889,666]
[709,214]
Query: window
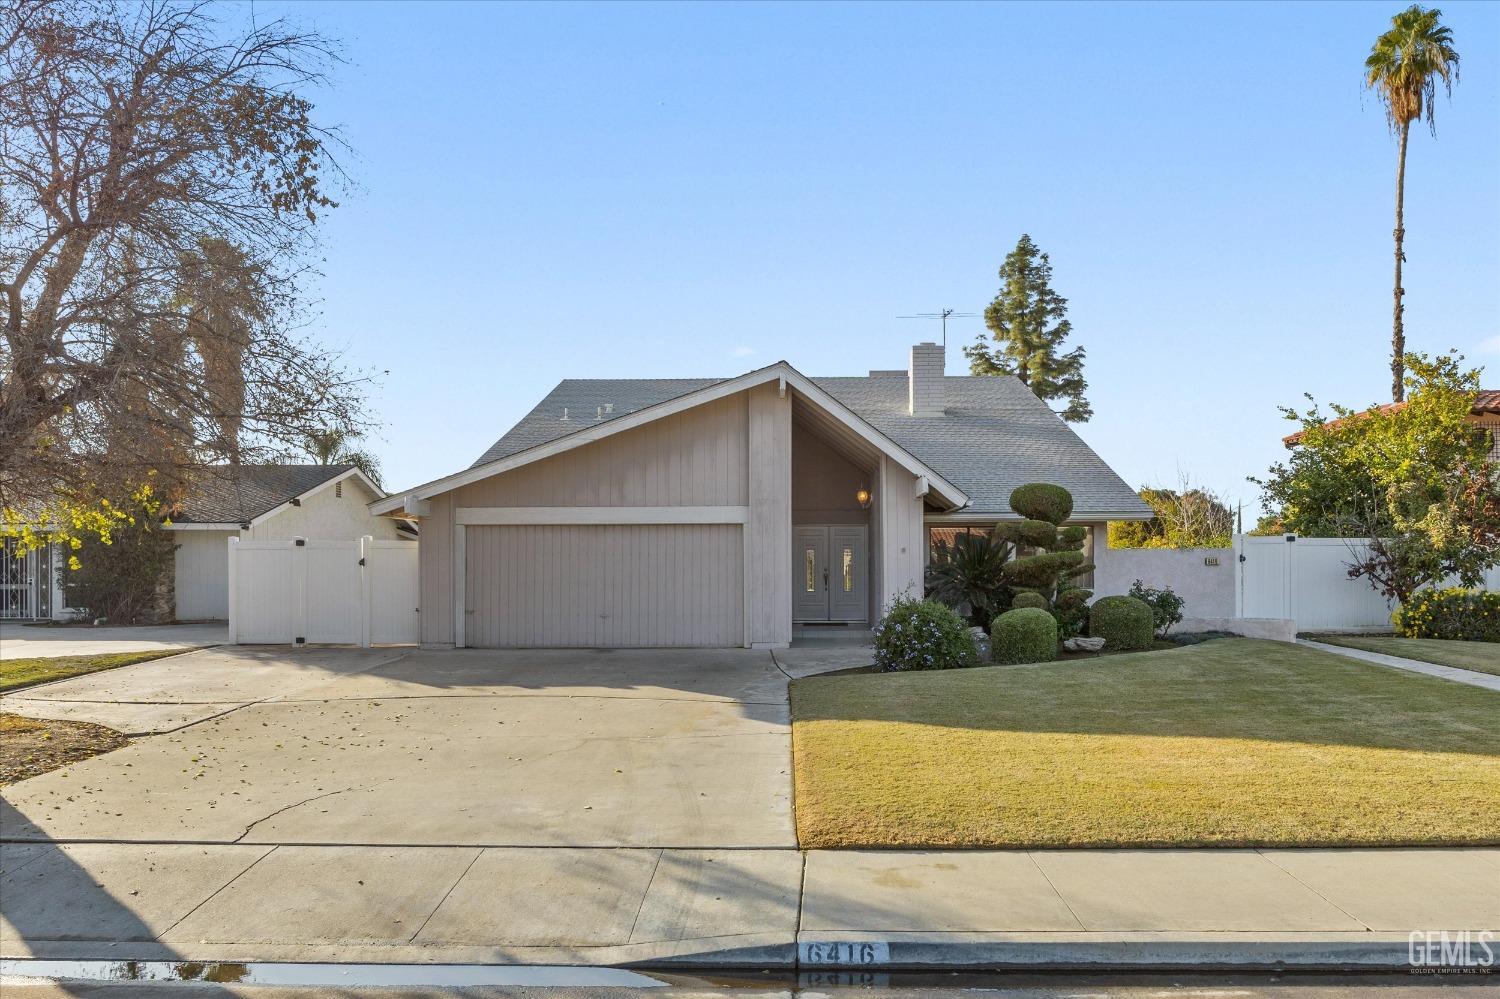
[848,570]
[812,559]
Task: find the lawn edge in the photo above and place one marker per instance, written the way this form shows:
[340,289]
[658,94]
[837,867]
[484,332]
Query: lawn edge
[148,656]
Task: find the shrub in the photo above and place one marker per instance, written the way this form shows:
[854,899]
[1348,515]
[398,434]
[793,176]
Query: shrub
[1455,613]
[969,576]
[1042,501]
[1049,557]
[1166,606]
[1028,635]
[1029,599]
[1123,622]
[922,634]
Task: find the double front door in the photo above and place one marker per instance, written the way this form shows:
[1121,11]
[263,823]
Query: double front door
[830,576]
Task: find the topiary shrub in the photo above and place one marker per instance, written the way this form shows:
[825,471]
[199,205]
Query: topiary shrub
[1453,613]
[922,634]
[1123,622]
[1042,501]
[1028,599]
[1166,606]
[1049,556]
[1027,635]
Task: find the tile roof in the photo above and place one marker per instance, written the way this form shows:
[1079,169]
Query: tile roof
[1486,403]
[236,494]
[996,434]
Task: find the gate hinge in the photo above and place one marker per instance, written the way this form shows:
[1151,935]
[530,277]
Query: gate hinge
[361,561]
[299,640]
[301,542]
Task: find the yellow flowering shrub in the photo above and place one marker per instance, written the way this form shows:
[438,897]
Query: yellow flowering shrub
[1455,613]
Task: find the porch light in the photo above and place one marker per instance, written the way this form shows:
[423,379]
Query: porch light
[863,497]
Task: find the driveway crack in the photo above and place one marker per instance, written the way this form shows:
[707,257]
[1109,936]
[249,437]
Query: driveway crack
[308,800]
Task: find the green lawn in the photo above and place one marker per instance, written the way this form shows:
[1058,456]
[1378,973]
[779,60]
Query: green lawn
[18,673]
[1481,656]
[1229,743]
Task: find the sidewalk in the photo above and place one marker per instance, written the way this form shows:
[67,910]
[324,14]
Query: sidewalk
[739,908]
[1472,677]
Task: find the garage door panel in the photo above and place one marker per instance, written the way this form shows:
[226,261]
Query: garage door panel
[604,585]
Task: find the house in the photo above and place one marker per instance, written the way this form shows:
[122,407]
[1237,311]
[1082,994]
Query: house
[1485,414]
[265,503]
[731,512]
[249,502]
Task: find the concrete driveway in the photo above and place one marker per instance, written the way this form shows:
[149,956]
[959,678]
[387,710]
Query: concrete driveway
[560,806]
[21,641]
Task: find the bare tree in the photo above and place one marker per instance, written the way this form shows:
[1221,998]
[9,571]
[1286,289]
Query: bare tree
[161,179]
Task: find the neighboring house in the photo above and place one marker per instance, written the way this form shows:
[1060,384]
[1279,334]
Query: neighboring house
[1485,414]
[265,503]
[704,512]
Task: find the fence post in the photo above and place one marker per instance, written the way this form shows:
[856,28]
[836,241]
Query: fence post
[298,563]
[234,572]
[366,626]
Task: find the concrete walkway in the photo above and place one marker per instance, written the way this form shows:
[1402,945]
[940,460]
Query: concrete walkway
[756,908]
[20,641]
[1472,677]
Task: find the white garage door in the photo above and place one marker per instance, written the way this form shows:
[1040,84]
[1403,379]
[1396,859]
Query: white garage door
[604,586]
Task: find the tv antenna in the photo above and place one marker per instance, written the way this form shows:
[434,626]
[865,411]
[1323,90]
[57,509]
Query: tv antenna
[942,317]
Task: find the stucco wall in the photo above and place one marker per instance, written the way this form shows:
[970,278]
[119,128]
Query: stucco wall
[1207,590]
[202,574]
[327,516]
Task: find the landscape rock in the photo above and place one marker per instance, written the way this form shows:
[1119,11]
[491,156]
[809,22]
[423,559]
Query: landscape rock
[1083,644]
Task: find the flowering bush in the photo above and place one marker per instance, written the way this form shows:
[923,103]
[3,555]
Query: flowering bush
[922,634]
[1473,615]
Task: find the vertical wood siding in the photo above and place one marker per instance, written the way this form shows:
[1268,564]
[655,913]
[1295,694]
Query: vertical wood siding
[612,586]
[903,549]
[768,538]
[435,580]
[693,458]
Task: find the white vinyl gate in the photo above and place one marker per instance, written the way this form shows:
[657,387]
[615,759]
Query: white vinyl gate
[1306,580]
[322,592]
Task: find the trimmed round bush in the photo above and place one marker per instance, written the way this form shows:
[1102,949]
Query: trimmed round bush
[1123,622]
[1452,613]
[1028,599]
[1027,635]
[1042,501]
[922,634]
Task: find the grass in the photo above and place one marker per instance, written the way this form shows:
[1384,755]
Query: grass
[1230,743]
[29,746]
[18,673]
[1483,657]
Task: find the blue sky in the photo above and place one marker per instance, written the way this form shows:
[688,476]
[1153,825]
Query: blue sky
[637,191]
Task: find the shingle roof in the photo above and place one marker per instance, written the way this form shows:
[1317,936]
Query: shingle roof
[996,434]
[1486,403]
[236,494]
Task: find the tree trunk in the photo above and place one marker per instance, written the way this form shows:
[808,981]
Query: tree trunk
[1398,330]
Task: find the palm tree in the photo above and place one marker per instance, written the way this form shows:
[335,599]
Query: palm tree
[332,446]
[1404,66]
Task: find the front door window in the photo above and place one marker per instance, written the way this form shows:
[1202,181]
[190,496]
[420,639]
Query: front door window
[831,576]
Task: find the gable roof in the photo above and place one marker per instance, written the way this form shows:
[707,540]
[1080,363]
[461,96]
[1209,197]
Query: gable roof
[995,434]
[240,494]
[536,444]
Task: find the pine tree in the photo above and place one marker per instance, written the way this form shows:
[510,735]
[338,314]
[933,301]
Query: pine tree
[1029,322]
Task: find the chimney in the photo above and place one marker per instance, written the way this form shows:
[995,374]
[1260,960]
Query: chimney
[925,394]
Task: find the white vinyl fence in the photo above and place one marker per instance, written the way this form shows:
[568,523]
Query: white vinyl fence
[1306,580]
[322,592]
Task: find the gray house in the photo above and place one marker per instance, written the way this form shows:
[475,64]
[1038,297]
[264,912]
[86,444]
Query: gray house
[731,512]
